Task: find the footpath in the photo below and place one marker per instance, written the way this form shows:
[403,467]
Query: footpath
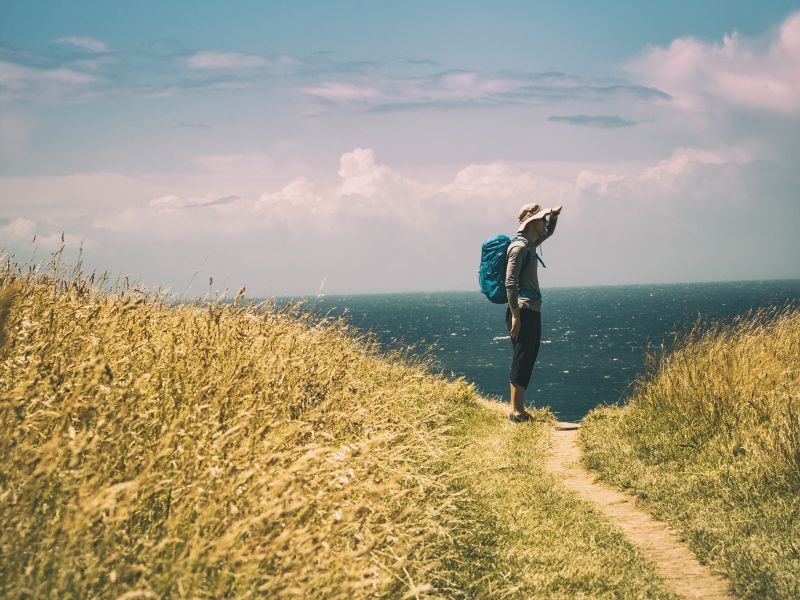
[682,573]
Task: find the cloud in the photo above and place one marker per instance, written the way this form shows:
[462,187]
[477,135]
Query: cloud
[661,177]
[180,217]
[22,82]
[472,89]
[173,202]
[464,83]
[298,192]
[86,43]
[602,121]
[432,106]
[63,76]
[490,193]
[342,92]
[324,63]
[364,85]
[298,207]
[22,235]
[366,190]
[685,159]
[362,176]
[622,221]
[739,72]
[369,193]
[225,60]
[246,193]
[498,179]
[19,229]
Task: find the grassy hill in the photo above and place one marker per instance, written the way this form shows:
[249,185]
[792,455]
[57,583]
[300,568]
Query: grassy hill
[223,450]
[710,441]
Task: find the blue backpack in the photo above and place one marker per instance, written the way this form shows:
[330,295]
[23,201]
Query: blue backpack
[492,272]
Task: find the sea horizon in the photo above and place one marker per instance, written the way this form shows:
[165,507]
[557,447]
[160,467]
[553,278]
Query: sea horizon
[594,338]
[543,288]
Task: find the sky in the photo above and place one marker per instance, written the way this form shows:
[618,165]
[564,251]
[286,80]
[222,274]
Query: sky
[347,147]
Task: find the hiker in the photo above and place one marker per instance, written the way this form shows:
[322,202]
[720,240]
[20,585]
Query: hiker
[523,315]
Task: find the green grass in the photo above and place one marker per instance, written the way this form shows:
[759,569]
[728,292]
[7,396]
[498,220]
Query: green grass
[544,542]
[710,442]
[218,450]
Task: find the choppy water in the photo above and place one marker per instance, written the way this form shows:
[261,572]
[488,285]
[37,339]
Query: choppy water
[593,339]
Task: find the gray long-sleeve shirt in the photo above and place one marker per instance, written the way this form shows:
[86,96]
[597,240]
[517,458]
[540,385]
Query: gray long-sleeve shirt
[527,278]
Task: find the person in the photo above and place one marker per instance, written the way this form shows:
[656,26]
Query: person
[523,315]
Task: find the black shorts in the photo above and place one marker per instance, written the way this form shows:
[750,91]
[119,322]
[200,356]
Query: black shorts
[526,345]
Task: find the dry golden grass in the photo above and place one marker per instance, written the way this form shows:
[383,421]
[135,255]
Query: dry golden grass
[711,439]
[212,450]
[231,450]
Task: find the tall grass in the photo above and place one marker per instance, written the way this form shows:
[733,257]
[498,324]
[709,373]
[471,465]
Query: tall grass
[222,449]
[213,450]
[711,438]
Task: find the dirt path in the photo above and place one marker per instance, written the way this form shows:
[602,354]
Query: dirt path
[681,571]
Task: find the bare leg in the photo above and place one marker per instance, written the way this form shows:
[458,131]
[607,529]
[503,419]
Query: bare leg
[517,398]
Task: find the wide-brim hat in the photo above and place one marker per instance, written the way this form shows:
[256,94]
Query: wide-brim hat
[531,212]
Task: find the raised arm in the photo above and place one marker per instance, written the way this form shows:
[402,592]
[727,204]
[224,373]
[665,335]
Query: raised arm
[551,227]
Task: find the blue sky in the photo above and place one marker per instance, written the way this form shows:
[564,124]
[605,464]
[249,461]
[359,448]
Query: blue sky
[293,146]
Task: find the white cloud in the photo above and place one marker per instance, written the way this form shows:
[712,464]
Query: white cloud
[741,72]
[630,213]
[685,159]
[14,76]
[287,61]
[298,192]
[86,43]
[366,190]
[482,193]
[492,192]
[72,242]
[225,60]
[454,86]
[168,201]
[299,207]
[362,176]
[223,202]
[173,202]
[497,179]
[342,92]
[24,235]
[467,84]
[18,81]
[19,229]
[471,88]
[94,63]
[661,176]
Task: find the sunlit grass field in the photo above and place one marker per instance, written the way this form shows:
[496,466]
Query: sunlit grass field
[711,442]
[222,449]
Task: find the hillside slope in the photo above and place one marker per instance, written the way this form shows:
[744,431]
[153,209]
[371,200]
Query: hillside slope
[231,451]
[710,442]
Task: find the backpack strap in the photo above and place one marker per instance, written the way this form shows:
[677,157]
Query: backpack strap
[519,238]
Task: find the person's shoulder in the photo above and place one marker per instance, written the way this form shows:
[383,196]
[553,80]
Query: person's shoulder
[516,245]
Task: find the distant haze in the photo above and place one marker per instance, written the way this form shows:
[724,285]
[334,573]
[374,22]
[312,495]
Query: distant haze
[350,147]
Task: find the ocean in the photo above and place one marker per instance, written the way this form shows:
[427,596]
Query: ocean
[593,338]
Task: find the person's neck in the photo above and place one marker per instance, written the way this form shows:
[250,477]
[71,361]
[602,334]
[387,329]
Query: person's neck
[531,237]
